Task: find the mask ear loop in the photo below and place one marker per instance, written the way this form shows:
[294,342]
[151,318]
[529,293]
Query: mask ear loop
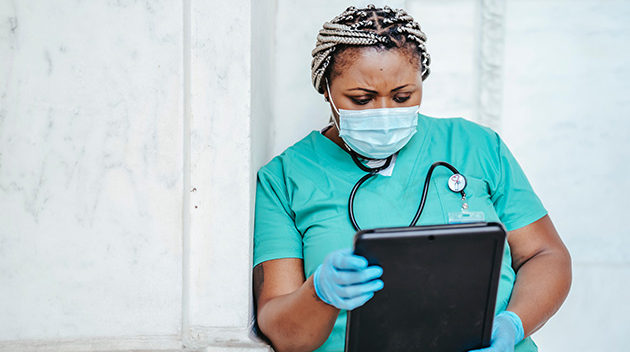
[352,152]
[336,110]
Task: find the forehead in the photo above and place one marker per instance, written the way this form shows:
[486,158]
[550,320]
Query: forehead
[374,67]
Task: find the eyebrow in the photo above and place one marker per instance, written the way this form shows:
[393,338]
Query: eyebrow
[374,92]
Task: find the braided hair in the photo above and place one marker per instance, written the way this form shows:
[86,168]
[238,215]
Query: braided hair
[382,28]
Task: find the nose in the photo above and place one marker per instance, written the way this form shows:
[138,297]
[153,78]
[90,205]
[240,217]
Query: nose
[383,102]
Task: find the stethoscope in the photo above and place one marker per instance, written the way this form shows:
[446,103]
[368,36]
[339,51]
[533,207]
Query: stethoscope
[456,183]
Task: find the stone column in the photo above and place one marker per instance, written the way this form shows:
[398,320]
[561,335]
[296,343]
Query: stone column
[490,62]
[218,210]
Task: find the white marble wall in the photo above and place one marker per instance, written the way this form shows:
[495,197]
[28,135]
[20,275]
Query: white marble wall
[117,230]
[561,88]
[90,169]
[566,108]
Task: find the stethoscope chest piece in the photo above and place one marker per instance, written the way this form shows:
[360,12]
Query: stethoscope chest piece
[457,183]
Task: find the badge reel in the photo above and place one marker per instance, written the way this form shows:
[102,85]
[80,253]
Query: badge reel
[457,183]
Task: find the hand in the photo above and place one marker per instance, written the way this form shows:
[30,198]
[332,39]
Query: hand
[345,281]
[507,331]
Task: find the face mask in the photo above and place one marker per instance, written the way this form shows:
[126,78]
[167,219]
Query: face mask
[376,133]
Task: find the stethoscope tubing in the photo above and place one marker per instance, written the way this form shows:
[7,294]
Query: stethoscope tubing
[373,171]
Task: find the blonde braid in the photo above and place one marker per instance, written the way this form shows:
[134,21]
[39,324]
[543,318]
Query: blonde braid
[365,27]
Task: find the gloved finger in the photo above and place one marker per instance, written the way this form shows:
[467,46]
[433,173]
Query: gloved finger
[352,291]
[358,301]
[347,277]
[348,261]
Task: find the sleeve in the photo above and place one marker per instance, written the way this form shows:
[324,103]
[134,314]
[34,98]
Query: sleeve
[514,199]
[275,233]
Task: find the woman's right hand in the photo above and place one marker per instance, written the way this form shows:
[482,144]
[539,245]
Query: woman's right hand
[345,281]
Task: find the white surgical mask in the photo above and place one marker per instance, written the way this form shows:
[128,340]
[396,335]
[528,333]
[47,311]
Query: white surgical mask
[376,133]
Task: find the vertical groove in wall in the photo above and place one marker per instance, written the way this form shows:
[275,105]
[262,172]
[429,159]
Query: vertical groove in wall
[490,59]
[186,150]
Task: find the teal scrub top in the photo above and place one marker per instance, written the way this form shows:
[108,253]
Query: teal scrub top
[302,197]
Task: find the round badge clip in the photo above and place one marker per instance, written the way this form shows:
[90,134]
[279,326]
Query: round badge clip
[457,183]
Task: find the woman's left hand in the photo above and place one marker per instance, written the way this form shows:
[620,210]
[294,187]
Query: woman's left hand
[507,331]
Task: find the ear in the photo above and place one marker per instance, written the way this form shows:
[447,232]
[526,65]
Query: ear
[326,96]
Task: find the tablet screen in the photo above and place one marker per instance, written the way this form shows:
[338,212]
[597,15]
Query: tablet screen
[440,288]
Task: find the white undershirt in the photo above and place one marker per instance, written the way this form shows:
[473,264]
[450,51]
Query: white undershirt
[372,163]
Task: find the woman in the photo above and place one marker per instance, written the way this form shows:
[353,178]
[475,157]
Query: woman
[369,64]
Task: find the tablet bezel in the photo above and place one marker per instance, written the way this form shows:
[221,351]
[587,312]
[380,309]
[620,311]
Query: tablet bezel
[425,232]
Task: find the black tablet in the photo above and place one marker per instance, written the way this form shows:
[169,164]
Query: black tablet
[440,288]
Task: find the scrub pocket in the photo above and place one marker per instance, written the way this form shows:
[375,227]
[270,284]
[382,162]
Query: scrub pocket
[477,198]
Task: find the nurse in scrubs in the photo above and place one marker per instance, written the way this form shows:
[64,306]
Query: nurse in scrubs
[369,64]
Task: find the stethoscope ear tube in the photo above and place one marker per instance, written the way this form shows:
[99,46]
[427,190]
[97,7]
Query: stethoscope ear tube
[374,171]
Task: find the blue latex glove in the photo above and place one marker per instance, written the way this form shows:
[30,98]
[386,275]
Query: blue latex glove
[507,331]
[345,281]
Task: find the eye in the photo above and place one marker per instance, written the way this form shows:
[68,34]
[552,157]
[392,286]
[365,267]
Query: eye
[361,100]
[401,99]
